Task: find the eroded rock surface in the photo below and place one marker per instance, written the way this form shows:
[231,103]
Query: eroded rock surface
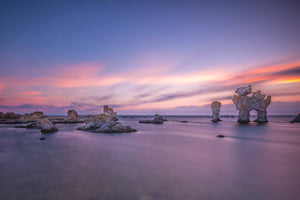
[244,104]
[106,122]
[215,107]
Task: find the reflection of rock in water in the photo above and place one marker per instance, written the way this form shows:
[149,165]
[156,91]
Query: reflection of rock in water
[245,104]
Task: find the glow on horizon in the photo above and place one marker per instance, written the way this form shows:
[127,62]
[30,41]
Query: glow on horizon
[162,56]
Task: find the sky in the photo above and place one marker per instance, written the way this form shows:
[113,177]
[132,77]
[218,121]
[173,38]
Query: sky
[147,57]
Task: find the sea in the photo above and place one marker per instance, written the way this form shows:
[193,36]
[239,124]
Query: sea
[182,159]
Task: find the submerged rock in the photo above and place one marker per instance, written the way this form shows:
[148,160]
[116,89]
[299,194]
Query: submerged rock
[158,119]
[296,120]
[106,122]
[215,106]
[244,104]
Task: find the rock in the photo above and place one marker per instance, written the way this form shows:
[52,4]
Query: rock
[1,115]
[42,138]
[215,106]
[220,136]
[244,91]
[47,126]
[13,118]
[72,115]
[297,119]
[157,120]
[184,121]
[244,104]
[44,124]
[106,122]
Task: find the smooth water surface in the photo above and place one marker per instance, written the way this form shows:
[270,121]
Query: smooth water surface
[173,161]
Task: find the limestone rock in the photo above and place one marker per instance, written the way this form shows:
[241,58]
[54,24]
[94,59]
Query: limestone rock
[158,119]
[44,124]
[1,115]
[106,122]
[244,104]
[297,119]
[32,117]
[72,115]
[215,106]
[12,116]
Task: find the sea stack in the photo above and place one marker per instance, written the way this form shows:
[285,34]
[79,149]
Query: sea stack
[215,107]
[244,104]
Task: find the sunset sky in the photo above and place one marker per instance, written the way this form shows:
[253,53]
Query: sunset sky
[146,57]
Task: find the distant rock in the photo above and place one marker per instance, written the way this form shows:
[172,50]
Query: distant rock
[244,104]
[13,118]
[296,120]
[42,138]
[1,115]
[215,107]
[72,115]
[158,119]
[106,122]
[220,136]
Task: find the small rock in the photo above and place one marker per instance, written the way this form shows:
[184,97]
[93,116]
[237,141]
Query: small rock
[220,136]
[42,138]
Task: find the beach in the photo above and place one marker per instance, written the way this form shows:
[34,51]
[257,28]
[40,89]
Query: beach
[179,159]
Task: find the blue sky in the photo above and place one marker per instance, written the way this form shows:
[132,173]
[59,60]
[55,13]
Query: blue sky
[145,56]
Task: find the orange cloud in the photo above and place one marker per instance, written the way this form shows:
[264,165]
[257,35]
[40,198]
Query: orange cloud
[30,93]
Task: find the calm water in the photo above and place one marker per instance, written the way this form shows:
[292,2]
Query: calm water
[173,161]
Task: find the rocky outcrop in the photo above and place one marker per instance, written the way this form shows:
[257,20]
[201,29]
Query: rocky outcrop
[215,107]
[72,115]
[44,124]
[158,119]
[12,118]
[244,104]
[296,120]
[1,115]
[106,122]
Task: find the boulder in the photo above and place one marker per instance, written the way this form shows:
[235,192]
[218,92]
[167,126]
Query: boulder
[47,126]
[158,119]
[297,119]
[44,124]
[72,115]
[244,104]
[215,107]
